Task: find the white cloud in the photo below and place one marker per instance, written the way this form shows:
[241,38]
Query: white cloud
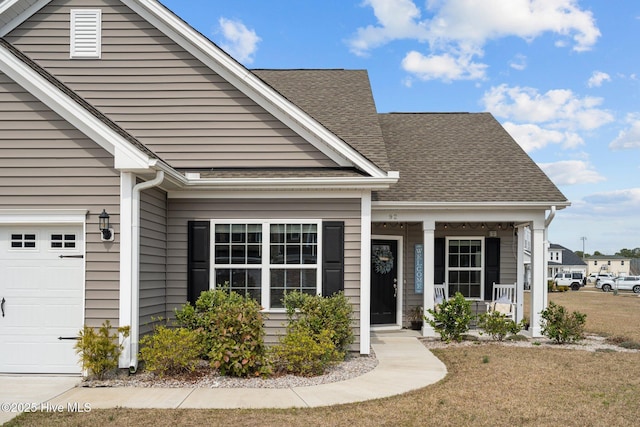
[532,137]
[519,62]
[597,78]
[457,30]
[625,202]
[558,109]
[398,19]
[477,21]
[628,138]
[444,67]
[536,119]
[569,172]
[240,42]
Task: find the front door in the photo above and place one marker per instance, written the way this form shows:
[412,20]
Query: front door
[384,281]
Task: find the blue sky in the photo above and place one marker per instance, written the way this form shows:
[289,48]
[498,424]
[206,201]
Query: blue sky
[562,76]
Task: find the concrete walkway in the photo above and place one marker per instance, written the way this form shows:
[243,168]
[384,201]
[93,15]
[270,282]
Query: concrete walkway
[404,364]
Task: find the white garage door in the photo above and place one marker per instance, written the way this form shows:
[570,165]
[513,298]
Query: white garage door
[41,290]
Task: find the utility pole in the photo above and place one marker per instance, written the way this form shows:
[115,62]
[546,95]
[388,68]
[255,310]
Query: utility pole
[584,239]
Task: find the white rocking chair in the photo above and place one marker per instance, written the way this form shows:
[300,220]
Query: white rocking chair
[440,294]
[504,300]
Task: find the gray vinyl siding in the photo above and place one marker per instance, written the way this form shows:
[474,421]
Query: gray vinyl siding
[187,114]
[45,163]
[412,235]
[183,210]
[153,258]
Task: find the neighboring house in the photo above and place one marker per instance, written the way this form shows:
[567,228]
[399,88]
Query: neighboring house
[211,173]
[563,260]
[618,265]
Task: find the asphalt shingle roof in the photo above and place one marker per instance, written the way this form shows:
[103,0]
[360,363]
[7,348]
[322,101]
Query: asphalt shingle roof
[341,100]
[568,256]
[460,157]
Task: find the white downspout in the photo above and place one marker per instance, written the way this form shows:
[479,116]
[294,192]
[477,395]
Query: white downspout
[552,215]
[135,267]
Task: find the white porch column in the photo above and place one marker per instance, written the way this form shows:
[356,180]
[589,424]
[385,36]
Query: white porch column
[365,273]
[429,231]
[127,182]
[520,273]
[546,246]
[539,277]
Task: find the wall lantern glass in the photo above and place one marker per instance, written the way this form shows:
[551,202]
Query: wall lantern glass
[105,227]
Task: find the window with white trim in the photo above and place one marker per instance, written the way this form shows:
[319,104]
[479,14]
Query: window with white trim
[63,241]
[265,260]
[465,263]
[86,33]
[23,241]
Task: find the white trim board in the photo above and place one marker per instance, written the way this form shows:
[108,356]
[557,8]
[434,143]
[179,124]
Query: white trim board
[42,216]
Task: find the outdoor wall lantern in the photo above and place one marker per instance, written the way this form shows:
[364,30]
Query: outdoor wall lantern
[105,227]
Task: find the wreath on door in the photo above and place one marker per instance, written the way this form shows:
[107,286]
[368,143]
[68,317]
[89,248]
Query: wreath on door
[382,260]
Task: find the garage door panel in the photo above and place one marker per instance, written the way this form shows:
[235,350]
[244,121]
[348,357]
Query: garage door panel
[43,298]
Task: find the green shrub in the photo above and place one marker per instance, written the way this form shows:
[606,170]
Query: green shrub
[561,326]
[99,350]
[318,333]
[232,332]
[304,352]
[451,318]
[498,326]
[318,314]
[170,351]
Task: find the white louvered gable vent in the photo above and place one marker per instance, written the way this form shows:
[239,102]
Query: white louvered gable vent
[86,29]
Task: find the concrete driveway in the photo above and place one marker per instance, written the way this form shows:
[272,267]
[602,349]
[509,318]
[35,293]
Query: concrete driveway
[22,393]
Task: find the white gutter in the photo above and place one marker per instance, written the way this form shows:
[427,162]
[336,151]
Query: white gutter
[466,205]
[552,215]
[135,267]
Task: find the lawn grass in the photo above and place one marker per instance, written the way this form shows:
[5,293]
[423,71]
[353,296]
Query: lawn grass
[487,384]
[607,314]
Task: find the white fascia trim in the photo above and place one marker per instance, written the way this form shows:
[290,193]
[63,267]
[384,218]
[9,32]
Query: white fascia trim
[468,205]
[22,16]
[299,121]
[126,155]
[43,216]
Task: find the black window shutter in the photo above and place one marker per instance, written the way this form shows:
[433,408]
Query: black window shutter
[439,260]
[198,259]
[332,257]
[491,265]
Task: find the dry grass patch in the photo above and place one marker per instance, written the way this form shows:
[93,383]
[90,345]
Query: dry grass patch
[607,314]
[487,384]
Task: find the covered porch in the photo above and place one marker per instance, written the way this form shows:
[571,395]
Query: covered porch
[467,250]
